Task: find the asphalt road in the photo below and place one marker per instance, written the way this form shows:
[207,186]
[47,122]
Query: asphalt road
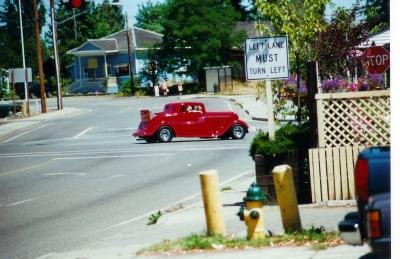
[75,180]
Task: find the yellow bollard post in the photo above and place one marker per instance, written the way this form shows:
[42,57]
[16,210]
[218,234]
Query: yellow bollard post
[212,202]
[23,108]
[286,196]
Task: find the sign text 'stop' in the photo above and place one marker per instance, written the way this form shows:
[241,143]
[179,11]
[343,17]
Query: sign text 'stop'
[377,59]
[267,58]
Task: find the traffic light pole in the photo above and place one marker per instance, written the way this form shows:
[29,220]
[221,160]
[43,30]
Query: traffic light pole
[40,61]
[56,58]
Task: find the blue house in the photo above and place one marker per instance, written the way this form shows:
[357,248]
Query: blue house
[100,65]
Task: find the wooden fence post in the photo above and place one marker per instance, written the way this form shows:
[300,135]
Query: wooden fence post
[312,86]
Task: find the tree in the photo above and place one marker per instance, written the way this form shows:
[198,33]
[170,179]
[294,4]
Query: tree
[247,9]
[299,20]
[198,34]
[10,37]
[94,22]
[151,16]
[377,14]
[151,70]
[334,46]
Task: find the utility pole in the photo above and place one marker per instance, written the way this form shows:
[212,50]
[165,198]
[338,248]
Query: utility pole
[23,55]
[40,62]
[129,55]
[73,13]
[56,58]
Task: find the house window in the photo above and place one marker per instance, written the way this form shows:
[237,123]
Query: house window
[122,70]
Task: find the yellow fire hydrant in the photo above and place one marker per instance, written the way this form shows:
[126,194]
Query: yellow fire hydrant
[253,213]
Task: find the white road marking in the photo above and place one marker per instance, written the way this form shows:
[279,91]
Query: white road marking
[24,133]
[104,157]
[229,106]
[115,176]
[120,224]
[20,202]
[82,133]
[116,129]
[52,174]
[125,150]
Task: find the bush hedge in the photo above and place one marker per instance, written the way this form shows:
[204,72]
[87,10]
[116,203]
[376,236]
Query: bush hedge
[287,139]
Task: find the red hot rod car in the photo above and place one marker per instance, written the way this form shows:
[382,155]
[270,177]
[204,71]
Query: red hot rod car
[189,119]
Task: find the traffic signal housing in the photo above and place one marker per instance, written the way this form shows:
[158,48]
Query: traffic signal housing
[79,4]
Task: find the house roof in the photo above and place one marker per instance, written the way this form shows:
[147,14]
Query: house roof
[380,39]
[140,39]
[105,44]
[249,27]
[147,39]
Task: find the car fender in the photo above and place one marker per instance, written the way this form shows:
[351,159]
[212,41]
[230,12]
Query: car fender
[236,121]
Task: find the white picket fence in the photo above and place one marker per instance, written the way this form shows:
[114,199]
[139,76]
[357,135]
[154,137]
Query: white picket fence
[332,172]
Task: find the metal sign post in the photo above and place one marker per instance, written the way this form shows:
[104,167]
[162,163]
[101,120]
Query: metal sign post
[27,92]
[13,84]
[267,58]
[270,109]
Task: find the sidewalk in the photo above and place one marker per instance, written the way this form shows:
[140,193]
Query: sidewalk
[191,220]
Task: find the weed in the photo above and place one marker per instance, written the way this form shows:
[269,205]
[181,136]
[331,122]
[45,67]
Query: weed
[226,188]
[154,218]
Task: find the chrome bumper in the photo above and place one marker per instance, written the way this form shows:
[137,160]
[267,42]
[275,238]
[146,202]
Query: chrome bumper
[350,230]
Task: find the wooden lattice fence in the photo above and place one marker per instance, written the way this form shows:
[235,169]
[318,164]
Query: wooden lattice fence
[353,118]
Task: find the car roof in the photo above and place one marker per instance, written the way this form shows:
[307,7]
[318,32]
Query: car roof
[185,103]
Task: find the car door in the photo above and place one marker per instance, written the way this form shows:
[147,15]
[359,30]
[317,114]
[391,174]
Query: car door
[190,122]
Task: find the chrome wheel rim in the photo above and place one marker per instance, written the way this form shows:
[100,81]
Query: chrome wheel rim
[238,131]
[165,135]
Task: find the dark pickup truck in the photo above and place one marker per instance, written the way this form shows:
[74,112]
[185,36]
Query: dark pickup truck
[371,222]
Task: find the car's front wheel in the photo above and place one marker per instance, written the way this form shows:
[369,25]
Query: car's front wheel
[238,131]
[164,134]
[150,139]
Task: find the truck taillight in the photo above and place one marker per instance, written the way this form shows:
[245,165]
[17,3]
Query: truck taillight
[374,223]
[361,180]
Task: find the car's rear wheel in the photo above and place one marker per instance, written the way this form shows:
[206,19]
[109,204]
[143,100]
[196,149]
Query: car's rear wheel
[238,131]
[165,134]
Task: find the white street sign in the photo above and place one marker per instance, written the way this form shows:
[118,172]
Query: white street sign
[267,58]
[19,75]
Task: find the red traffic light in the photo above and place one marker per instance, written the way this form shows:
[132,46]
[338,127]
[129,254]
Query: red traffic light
[77,3]
[74,3]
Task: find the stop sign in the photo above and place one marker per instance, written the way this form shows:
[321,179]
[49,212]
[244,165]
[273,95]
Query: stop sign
[377,59]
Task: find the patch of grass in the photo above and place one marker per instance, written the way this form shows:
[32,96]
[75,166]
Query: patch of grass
[315,238]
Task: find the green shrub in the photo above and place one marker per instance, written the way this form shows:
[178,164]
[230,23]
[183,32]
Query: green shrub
[287,139]
[125,88]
